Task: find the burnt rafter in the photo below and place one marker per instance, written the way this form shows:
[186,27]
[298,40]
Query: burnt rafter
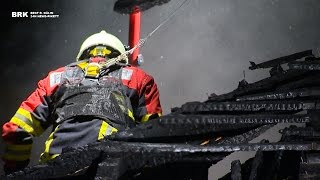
[312,92]
[148,153]
[281,60]
[250,106]
[207,120]
[269,84]
[311,65]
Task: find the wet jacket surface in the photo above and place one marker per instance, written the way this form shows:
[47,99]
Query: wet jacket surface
[80,110]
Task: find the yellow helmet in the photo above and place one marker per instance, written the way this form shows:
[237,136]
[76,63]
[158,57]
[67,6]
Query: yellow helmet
[111,42]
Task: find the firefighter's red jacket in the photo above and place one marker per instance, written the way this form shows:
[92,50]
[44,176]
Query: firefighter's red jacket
[35,114]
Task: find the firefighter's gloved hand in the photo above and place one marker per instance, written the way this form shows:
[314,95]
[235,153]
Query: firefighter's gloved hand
[13,166]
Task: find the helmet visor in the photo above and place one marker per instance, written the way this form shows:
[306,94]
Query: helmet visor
[100,51]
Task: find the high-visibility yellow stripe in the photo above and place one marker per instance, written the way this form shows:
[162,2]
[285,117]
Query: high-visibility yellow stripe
[145,118]
[49,141]
[119,97]
[130,114]
[114,130]
[27,121]
[19,147]
[23,125]
[111,130]
[45,155]
[15,157]
[34,121]
[103,129]
[25,113]
[106,130]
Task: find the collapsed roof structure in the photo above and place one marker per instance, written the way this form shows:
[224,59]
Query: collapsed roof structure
[197,135]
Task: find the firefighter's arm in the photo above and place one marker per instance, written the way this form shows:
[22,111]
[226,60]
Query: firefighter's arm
[149,106]
[31,119]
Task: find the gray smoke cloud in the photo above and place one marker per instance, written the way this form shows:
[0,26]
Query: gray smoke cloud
[210,43]
[204,49]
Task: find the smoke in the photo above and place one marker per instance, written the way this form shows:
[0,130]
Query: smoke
[209,44]
[204,49]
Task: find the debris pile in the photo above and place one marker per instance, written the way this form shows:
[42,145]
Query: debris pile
[193,137]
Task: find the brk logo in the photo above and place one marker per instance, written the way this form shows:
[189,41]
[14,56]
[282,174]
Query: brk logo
[19,14]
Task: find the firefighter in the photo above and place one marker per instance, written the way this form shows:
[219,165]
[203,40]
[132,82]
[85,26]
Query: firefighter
[83,101]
